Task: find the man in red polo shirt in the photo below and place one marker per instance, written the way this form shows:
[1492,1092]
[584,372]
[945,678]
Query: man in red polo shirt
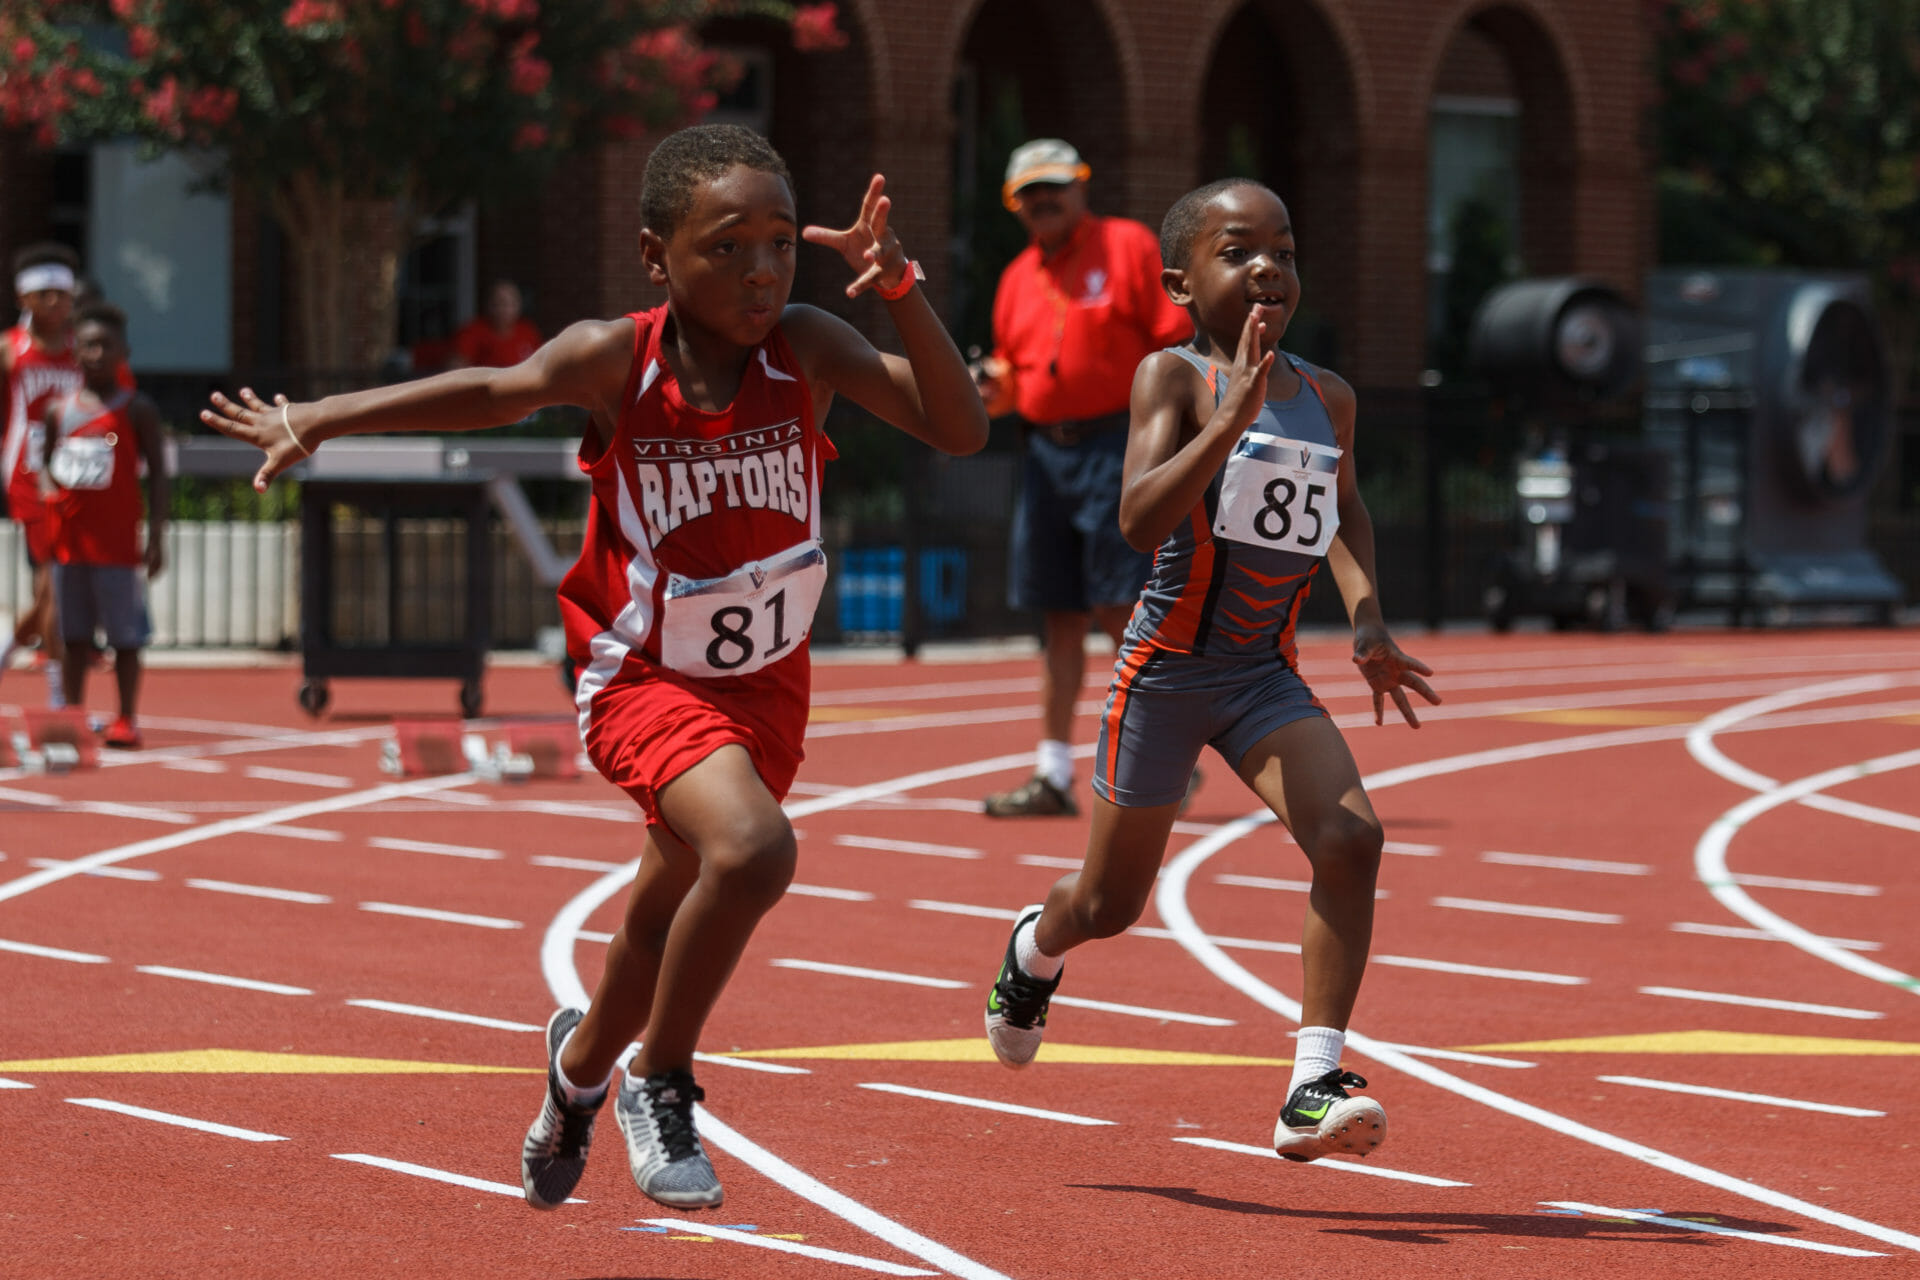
[499,338]
[1076,311]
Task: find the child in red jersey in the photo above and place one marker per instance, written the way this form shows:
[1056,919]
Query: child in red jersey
[1240,472]
[36,358]
[688,611]
[96,440]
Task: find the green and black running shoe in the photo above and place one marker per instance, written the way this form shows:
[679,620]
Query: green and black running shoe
[1320,1119]
[1017,1005]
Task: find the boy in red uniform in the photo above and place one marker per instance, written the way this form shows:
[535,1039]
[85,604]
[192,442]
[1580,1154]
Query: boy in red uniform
[36,357]
[688,611]
[96,440]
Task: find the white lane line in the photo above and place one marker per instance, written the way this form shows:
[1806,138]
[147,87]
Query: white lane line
[593,935]
[1761,1002]
[445,917]
[40,799]
[1284,886]
[430,846]
[573,864]
[964,909]
[823,891]
[1244,944]
[1480,971]
[1595,865]
[985,1104]
[878,975]
[195,766]
[788,1246]
[1733,1095]
[300,777]
[1458,1055]
[1344,1166]
[443,1015]
[1048,860]
[1806,886]
[1540,913]
[223,980]
[1761,935]
[441,1175]
[14,1084]
[1139,1011]
[911,846]
[104,873]
[50,953]
[1709,1228]
[1410,850]
[259,891]
[184,1122]
[316,834]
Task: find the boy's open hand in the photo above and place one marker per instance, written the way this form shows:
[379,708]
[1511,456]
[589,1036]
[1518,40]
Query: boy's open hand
[261,425]
[1390,673]
[1247,380]
[869,245]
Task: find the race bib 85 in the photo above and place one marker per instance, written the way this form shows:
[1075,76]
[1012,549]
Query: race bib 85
[1280,493]
[752,618]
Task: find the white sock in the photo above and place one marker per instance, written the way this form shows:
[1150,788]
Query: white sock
[56,687]
[1317,1053]
[1028,955]
[1054,762]
[573,1093]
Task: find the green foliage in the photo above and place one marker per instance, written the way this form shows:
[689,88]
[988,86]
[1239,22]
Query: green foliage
[1482,256]
[232,498]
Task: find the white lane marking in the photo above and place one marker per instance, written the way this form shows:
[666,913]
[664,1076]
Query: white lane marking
[1244,944]
[911,846]
[823,891]
[184,1122]
[1517,909]
[985,1104]
[222,980]
[593,935]
[107,808]
[1734,1095]
[50,953]
[1048,860]
[877,975]
[965,909]
[105,873]
[445,1015]
[1344,1166]
[195,766]
[299,777]
[745,1064]
[1459,1055]
[441,1175]
[1807,886]
[1284,886]
[1140,1011]
[1406,849]
[1761,1002]
[445,917]
[1761,935]
[788,1246]
[1709,1228]
[568,809]
[14,1084]
[927,693]
[1595,865]
[1480,971]
[259,891]
[573,864]
[315,834]
[431,846]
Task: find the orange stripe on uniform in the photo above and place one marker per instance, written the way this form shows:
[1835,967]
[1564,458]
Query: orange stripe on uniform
[1122,689]
[1182,622]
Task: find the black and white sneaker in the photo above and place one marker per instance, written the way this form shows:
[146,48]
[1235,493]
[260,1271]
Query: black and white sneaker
[1017,1005]
[668,1162]
[1321,1119]
[555,1153]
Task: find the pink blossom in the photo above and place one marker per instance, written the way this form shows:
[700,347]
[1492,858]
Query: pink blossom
[312,13]
[23,51]
[142,41]
[814,29]
[530,136]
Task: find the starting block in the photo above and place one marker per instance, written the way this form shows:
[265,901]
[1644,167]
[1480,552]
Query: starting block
[59,740]
[424,749]
[542,751]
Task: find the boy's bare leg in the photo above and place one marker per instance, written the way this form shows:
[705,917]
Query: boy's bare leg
[73,676]
[723,812]
[42,616]
[1108,893]
[1063,668]
[126,678]
[1306,775]
[624,996]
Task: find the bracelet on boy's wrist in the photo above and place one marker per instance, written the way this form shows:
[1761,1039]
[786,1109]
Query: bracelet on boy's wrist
[908,278]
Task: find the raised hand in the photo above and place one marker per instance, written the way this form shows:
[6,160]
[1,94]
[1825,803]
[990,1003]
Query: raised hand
[1247,379]
[869,245]
[267,427]
[1390,673]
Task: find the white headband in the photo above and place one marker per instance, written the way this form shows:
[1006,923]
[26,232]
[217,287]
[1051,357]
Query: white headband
[48,275]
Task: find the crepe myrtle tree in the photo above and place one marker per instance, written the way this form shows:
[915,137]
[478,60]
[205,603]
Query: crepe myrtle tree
[351,120]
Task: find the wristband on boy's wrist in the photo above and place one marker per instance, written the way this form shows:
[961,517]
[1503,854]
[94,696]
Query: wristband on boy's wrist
[908,279]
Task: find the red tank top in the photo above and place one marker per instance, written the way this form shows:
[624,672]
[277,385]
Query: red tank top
[38,377]
[702,555]
[96,505]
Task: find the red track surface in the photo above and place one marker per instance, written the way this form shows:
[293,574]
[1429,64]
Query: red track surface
[956,1189]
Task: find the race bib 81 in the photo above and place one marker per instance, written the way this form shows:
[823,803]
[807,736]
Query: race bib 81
[1280,493]
[751,618]
[83,462]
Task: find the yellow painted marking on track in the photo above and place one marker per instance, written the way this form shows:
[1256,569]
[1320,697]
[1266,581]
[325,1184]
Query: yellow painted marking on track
[834,715]
[759,1235]
[1903,719]
[1711,1042]
[1605,715]
[976,1049]
[248,1062]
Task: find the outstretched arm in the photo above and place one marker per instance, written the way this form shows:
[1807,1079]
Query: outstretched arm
[929,394]
[586,366]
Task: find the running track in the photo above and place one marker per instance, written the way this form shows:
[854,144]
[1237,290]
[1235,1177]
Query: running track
[1642,1000]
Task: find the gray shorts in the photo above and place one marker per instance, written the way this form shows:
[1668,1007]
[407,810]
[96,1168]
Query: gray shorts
[102,597]
[1163,707]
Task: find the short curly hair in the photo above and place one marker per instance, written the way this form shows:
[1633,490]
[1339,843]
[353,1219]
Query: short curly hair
[46,251]
[685,159]
[1182,223]
[103,313]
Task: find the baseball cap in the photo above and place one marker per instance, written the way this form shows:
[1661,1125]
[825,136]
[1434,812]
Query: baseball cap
[1042,160]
